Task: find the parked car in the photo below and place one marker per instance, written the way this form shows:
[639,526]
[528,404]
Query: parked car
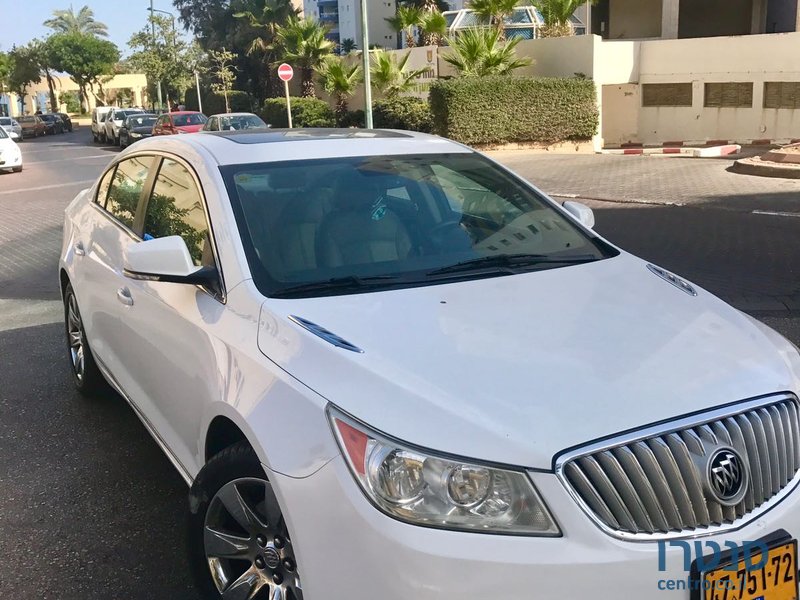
[32,126]
[389,368]
[115,120]
[179,122]
[10,154]
[234,122]
[11,126]
[53,123]
[135,128]
[65,118]
[98,124]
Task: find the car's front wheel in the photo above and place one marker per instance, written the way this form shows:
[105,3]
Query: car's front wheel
[238,543]
[87,377]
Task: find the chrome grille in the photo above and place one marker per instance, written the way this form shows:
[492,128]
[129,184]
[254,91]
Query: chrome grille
[650,484]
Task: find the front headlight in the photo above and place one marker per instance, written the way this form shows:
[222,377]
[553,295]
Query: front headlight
[421,488]
[135,135]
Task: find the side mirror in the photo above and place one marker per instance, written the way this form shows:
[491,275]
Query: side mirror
[165,259]
[581,212]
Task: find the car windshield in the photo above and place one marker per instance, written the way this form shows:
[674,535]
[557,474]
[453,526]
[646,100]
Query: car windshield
[47,117]
[121,115]
[240,122]
[5,121]
[344,225]
[141,121]
[184,120]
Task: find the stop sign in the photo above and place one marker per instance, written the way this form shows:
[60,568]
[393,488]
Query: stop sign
[285,72]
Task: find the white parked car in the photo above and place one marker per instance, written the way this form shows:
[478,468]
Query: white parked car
[114,122]
[98,127]
[11,126]
[389,368]
[10,153]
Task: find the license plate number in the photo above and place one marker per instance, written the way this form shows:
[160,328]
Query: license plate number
[775,580]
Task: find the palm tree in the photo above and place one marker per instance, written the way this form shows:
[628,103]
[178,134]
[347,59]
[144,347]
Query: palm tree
[302,42]
[348,45]
[433,28]
[494,12]
[479,52]
[66,21]
[273,14]
[427,5]
[404,21]
[557,15]
[389,75]
[340,80]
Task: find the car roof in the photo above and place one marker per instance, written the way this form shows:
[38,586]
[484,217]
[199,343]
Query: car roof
[276,145]
[184,112]
[236,114]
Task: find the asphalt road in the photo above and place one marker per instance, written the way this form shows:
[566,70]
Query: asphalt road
[91,509]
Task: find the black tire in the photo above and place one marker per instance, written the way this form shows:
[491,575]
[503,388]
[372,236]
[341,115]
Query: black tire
[238,461]
[91,380]
[94,137]
[17,169]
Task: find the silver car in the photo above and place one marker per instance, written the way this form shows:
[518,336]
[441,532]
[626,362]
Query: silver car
[11,126]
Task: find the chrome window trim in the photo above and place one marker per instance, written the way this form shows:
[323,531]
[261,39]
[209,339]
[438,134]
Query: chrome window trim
[663,429]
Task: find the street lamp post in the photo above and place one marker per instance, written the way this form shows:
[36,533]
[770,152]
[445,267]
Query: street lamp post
[365,55]
[153,32]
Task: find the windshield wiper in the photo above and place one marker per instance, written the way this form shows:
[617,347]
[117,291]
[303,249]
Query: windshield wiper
[504,262]
[338,284]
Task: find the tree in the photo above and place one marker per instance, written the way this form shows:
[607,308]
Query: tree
[433,28]
[66,21]
[340,80]
[389,75]
[303,43]
[405,19]
[557,16]
[348,45]
[24,70]
[479,52]
[85,58]
[168,58]
[494,12]
[5,71]
[222,71]
[273,14]
[427,5]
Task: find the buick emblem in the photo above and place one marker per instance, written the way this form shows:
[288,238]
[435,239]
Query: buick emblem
[727,476]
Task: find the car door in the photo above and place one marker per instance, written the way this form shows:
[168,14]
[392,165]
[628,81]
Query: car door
[168,341]
[106,228]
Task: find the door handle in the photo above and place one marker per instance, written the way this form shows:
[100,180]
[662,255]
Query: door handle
[124,296]
[79,249]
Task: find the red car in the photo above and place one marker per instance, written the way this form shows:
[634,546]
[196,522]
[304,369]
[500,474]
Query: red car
[179,122]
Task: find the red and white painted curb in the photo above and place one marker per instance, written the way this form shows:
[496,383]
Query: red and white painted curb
[696,152]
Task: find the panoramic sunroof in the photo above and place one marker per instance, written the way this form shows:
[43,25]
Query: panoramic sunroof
[286,135]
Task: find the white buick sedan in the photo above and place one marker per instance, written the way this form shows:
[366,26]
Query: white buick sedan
[389,368]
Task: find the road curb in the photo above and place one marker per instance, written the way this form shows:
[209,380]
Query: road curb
[694,152]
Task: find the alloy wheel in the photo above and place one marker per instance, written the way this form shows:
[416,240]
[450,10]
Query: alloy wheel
[247,546]
[75,337]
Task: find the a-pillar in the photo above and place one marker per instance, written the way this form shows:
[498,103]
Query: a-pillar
[670,15]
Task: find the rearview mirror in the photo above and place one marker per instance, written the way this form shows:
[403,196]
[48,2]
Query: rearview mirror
[165,259]
[581,212]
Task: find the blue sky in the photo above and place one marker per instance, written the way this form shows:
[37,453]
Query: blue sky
[22,19]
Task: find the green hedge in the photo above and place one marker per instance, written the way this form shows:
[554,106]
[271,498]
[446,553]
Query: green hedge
[491,110]
[214,103]
[306,112]
[411,114]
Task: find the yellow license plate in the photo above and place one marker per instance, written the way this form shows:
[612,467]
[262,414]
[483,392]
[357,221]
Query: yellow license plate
[775,580]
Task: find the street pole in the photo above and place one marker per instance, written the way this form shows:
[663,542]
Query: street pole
[365,55]
[153,31]
[288,103]
[199,99]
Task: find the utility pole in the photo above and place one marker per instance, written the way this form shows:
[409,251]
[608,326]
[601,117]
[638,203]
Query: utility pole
[153,31]
[365,55]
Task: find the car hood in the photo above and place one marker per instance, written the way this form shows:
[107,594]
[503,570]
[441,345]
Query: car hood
[190,128]
[516,369]
[143,130]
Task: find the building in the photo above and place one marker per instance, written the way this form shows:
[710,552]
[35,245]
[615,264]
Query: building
[344,19]
[524,22]
[680,19]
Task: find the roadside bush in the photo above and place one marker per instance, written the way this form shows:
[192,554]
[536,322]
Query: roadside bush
[412,114]
[306,112]
[492,110]
[353,118]
[214,102]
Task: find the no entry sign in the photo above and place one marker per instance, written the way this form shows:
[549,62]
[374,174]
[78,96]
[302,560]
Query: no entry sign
[285,72]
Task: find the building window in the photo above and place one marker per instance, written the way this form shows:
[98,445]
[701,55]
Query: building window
[782,94]
[733,94]
[666,94]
